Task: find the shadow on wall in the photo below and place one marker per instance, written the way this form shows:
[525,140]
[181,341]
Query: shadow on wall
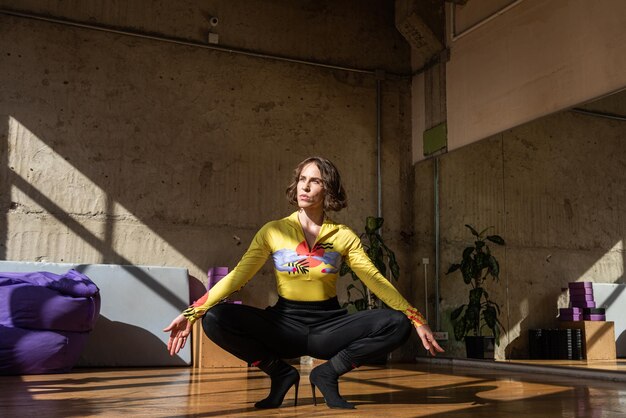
[127,348]
[149,282]
[517,348]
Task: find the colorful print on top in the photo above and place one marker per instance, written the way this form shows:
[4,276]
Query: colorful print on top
[300,260]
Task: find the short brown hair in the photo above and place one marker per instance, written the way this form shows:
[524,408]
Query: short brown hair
[335,197]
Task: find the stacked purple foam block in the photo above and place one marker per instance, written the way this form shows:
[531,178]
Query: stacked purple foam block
[581,295]
[570,314]
[214,275]
[582,304]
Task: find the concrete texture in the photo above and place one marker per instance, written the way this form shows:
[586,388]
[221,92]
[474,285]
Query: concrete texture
[350,33]
[536,59]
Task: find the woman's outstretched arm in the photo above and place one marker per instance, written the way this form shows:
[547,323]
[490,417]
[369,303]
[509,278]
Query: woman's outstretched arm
[360,263]
[250,263]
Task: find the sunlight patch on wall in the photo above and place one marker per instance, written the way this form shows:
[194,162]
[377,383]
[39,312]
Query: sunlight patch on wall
[140,244]
[60,215]
[609,268]
[51,174]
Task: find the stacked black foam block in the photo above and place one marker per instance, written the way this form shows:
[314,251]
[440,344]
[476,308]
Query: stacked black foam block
[555,344]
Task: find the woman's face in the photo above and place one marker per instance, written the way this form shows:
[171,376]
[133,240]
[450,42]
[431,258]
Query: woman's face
[310,188]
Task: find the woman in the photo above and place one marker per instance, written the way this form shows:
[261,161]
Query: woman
[307,249]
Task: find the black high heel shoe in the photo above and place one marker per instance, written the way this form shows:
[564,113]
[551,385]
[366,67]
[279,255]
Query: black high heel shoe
[283,378]
[324,377]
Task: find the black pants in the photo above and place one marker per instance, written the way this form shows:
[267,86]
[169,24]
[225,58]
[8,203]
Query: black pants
[292,329]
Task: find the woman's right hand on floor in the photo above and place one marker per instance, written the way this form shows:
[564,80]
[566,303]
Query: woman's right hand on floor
[180,330]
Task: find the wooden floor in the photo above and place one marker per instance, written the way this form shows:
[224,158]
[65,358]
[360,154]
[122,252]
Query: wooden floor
[618,365]
[415,390]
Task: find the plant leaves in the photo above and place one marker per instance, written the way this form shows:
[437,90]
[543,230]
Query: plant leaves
[459,330]
[481,260]
[453,268]
[472,319]
[475,295]
[372,224]
[455,313]
[477,263]
[375,250]
[480,234]
[344,269]
[476,234]
[467,252]
[497,239]
[494,305]
[494,267]
[490,315]
[468,268]
[360,304]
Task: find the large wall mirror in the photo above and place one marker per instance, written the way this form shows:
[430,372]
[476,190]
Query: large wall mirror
[556,189]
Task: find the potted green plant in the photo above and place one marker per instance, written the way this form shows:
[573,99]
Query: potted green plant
[359,298]
[470,319]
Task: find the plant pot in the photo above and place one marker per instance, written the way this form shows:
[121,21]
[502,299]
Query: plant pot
[480,347]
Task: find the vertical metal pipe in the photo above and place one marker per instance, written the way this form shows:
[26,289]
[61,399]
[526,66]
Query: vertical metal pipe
[378,146]
[437,255]
[426,292]
[379,182]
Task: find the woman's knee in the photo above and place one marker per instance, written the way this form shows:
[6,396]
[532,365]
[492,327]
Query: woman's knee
[401,323]
[214,320]
[402,320]
[392,323]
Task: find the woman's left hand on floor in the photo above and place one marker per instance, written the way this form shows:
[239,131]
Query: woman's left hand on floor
[428,339]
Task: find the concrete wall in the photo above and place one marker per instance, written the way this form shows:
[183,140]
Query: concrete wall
[537,58]
[121,149]
[554,190]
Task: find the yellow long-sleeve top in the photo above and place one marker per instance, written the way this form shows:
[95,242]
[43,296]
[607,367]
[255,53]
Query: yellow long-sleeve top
[302,273]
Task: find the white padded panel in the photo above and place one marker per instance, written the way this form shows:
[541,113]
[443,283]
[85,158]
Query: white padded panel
[612,297]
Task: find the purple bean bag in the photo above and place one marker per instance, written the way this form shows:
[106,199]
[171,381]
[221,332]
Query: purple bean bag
[45,320]
[27,351]
[37,307]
